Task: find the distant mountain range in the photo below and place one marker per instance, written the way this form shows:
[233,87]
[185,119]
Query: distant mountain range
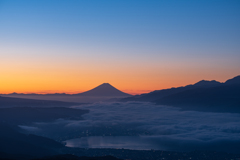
[203,95]
[103,90]
[6,102]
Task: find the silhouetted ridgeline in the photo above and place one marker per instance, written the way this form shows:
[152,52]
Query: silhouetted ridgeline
[103,92]
[204,96]
[20,102]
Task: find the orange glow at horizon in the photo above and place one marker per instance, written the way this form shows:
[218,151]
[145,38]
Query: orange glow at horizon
[71,76]
[71,83]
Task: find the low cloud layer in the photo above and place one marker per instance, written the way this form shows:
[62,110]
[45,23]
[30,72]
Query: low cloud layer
[166,127]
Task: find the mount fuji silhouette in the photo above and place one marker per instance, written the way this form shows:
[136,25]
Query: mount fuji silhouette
[105,89]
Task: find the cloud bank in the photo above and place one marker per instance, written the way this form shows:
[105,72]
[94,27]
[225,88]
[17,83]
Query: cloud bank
[166,127]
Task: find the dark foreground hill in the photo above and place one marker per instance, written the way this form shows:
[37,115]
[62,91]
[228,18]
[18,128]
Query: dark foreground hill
[204,96]
[15,112]
[16,145]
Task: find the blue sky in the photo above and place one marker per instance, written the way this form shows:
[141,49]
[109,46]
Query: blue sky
[124,35]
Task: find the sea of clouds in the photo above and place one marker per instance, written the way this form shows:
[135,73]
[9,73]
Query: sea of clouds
[167,127]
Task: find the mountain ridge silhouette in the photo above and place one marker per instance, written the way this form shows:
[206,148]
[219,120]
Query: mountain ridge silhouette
[203,96]
[102,90]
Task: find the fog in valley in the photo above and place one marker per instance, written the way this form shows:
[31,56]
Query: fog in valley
[142,125]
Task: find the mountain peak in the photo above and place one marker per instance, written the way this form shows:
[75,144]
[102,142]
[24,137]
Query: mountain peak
[205,83]
[105,89]
[235,80]
[105,84]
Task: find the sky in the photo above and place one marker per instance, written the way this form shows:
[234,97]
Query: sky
[71,46]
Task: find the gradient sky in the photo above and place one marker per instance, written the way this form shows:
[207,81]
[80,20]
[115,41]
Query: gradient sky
[71,46]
